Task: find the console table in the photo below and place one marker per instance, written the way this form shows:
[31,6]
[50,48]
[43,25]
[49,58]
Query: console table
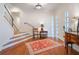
[71,38]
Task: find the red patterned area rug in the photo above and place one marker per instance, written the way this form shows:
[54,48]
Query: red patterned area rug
[38,46]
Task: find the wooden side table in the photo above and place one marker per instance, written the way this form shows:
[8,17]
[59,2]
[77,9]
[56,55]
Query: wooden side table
[43,34]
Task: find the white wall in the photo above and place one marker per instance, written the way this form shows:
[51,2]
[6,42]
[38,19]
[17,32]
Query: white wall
[73,10]
[6,31]
[35,18]
[60,12]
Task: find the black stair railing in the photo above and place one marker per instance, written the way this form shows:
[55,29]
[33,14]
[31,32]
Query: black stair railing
[13,24]
[12,19]
[30,26]
[9,14]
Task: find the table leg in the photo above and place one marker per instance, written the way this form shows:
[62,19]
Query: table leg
[71,47]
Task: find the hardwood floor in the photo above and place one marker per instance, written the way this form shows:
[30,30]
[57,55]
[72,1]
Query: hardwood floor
[21,49]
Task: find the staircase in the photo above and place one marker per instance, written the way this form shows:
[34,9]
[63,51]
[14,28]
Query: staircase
[9,33]
[15,28]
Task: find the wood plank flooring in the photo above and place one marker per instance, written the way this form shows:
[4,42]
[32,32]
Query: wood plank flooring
[21,49]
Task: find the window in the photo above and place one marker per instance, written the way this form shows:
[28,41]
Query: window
[53,33]
[56,18]
[67,21]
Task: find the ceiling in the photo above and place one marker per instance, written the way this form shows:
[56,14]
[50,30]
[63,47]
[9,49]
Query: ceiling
[47,8]
[30,7]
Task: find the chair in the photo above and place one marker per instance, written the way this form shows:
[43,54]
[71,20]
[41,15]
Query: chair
[35,33]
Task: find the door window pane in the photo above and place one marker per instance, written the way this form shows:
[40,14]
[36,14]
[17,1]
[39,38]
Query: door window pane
[56,27]
[53,35]
[67,21]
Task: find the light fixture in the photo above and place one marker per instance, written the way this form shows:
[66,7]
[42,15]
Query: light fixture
[38,6]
